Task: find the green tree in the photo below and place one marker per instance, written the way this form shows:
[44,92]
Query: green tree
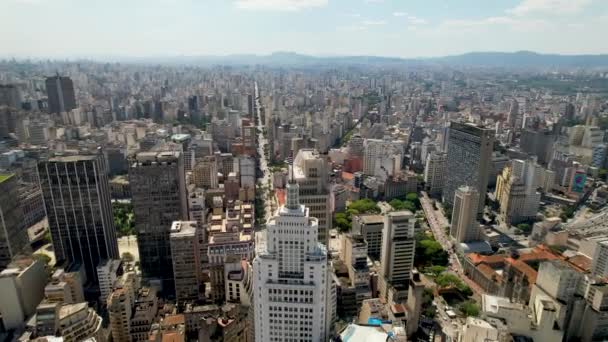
[413,197]
[525,228]
[469,308]
[364,206]
[343,222]
[435,270]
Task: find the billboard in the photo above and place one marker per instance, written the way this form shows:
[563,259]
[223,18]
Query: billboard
[578,182]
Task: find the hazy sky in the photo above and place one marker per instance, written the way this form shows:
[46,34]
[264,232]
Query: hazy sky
[405,28]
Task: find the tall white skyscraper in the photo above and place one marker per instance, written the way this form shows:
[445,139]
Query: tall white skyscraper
[292,286]
[465,227]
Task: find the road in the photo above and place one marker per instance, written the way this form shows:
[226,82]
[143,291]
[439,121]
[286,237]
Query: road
[266,177]
[437,223]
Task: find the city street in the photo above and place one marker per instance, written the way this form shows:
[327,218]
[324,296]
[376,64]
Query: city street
[437,223]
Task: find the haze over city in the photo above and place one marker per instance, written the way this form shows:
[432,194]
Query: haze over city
[416,28]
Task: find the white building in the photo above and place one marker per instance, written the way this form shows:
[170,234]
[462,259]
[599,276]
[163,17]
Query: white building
[107,272]
[434,171]
[292,286]
[465,227]
[382,158]
[397,260]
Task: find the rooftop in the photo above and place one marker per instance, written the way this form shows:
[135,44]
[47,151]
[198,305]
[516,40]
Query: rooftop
[5,176]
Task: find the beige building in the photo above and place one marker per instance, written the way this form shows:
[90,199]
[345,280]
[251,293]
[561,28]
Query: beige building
[185,250]
[397,259]
[310,171]
[238,280]
[66,285]
[465,227]
[205,173]
[478,330]
[78,322]
[22,287]
[370,227]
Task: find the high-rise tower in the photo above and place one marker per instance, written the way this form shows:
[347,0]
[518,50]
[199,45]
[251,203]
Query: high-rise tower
[77,198]
[469,158]
[158,190]
[60,91]
[292,286]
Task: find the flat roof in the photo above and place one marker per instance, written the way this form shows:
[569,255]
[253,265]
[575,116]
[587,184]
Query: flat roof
[5,176]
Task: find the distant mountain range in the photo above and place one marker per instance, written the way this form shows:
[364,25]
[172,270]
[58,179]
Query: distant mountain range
[521,59]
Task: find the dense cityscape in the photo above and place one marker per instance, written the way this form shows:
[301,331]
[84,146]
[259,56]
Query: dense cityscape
[295,198]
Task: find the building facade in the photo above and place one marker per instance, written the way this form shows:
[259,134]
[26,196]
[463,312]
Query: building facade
[469,158]
[77,199]
[397,260]
[158,193]
[291,278]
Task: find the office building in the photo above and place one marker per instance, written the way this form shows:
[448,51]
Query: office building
[291,279]
[465,227]
[10,96]
[185,251]
[79,322]
[434,172]
[13,234]
[397,260]
[77,199]
[22,284]
[204,174]
[599,268]
[158,193]
[370,227]
[311,172]
[516,191]
[107,273]
[60,92]
[469,160]
[383,158]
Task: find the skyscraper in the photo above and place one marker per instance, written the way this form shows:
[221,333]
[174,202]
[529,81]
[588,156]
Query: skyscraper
[292,285]
[185,251]
[469,160]
[60,91]
[77,199]
[397,260]
[13,234]
[158,193]
[465,227]
[311,173]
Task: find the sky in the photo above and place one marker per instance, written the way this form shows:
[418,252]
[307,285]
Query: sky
[396,28]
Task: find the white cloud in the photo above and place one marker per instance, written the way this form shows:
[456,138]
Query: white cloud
[373,22]
[416,21]
[400,14]
[280,5]
[549,6]
[374,1]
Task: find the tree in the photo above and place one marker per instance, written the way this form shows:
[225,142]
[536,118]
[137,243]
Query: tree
[435,270]
[342,222]
[413,197]
[127,257]
[429,252]
[525,228]
[469,308]
[364,206]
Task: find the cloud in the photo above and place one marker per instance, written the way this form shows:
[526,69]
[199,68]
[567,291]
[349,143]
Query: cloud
[400,14]
[373,22]
[280,5]
[416,21]
[514,23]
[527,7]
[374,1]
